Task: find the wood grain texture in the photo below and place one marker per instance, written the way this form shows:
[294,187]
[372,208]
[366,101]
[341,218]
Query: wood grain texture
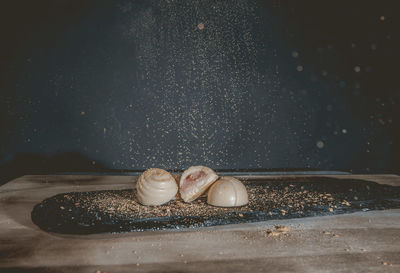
[364,241]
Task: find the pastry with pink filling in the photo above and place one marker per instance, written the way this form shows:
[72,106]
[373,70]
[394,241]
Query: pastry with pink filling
[195,181]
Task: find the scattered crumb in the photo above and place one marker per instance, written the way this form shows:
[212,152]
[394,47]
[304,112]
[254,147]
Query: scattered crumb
[270,232]
[282,229]
[279,230]
[345,203]
[274,200]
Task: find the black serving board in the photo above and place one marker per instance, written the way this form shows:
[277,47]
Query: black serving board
[68,213]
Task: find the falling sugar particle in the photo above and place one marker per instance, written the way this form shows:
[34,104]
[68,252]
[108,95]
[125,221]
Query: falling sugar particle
[382,18]
[320,144]
[357,69]
[344,131]
[299,68]
[196,107]
[295,54]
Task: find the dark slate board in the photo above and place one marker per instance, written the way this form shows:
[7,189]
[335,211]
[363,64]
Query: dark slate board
[76,219]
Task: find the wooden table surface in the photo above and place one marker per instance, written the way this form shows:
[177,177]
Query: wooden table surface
[358,242]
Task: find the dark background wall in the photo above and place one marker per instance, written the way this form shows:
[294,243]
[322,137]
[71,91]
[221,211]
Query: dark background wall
[128,85]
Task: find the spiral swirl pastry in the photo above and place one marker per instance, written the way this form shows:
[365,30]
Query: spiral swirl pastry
[156,187]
